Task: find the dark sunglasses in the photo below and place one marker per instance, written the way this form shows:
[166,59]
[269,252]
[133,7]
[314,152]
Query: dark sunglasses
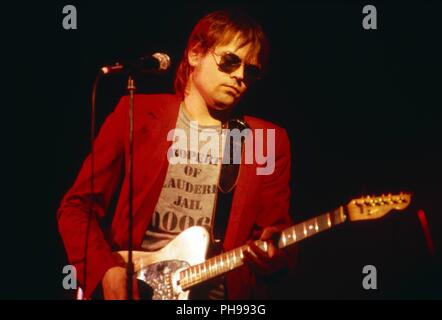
[230,62]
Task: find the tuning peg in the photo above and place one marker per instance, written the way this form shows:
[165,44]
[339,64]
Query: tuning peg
[404,200]
[378,202]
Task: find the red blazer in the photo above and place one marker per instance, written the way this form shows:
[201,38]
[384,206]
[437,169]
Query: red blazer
[259,200]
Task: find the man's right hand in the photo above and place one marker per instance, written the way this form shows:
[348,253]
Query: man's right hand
[114,284]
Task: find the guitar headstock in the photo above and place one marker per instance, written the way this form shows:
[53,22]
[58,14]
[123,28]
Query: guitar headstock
[368,208]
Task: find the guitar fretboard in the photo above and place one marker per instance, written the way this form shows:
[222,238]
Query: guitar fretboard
[311,227]
[232,259]
[212,267]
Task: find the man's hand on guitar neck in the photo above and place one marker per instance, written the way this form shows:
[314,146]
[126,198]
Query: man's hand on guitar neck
[266,263]
[114,285]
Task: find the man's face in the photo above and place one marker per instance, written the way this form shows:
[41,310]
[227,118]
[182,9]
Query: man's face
[219,89]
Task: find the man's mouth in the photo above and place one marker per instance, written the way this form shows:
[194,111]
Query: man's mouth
[233,89]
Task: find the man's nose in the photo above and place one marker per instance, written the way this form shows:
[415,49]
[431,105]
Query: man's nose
[238,74]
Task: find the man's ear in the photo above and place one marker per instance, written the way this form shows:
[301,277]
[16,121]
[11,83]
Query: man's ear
[194,56]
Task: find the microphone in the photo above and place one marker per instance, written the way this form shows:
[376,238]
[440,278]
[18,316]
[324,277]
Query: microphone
[155,63]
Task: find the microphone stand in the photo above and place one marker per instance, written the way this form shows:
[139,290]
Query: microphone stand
[130,266]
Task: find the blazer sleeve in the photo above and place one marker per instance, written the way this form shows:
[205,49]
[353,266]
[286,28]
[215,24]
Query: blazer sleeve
[80,211]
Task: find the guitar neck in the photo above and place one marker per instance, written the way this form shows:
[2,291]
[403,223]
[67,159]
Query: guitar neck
[311,227]
[233,259]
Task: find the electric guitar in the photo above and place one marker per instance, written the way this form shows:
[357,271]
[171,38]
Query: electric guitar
[172,271]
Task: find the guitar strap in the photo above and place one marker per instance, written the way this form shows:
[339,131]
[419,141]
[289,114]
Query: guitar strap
[227,181]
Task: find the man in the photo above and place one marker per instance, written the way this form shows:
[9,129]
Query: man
[226,53]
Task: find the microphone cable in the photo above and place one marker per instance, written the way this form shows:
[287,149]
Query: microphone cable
[92,176]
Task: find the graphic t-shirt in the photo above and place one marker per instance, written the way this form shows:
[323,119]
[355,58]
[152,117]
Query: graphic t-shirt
[188,195]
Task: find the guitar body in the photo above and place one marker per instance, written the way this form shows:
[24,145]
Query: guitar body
[159,269]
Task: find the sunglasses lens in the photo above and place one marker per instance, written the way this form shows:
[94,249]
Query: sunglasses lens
[230,62]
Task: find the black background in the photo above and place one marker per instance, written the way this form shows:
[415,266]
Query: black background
[362,109]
